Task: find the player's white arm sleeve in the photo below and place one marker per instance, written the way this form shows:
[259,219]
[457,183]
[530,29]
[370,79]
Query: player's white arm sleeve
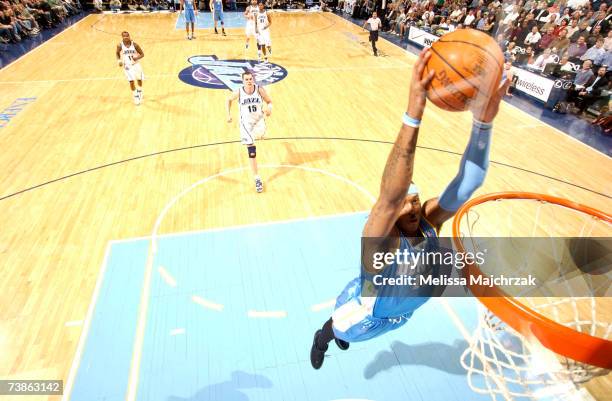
[472,169]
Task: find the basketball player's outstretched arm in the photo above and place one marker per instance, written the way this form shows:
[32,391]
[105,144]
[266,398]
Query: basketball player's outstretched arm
[264,95]
[140,52]
[398,170]
[228,105]
[474,163]
[118,53]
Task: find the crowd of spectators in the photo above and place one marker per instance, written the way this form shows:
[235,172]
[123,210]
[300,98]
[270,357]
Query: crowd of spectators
[22,19]
[568,39]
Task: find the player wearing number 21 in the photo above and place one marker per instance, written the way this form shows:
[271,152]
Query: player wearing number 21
[128,57]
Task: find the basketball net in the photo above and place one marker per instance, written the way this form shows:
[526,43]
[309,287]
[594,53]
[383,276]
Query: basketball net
[507,364]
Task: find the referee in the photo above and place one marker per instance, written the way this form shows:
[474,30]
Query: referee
[374,24]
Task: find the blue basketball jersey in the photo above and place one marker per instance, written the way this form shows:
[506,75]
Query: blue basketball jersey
[188,4]
[218,4]
[394,300]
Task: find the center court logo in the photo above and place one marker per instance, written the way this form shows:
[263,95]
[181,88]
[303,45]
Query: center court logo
[210,72]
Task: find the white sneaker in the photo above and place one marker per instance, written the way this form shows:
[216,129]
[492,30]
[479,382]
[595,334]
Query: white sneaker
[258,185]
[140,94]
[136,100]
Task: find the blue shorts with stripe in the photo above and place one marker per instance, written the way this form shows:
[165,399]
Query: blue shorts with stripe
[189,15]
[219,15]
[353,319]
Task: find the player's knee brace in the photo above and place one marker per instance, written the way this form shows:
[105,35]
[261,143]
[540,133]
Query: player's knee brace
[252,151]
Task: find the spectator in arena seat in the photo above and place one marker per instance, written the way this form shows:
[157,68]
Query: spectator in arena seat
[608,41]
[561,43]
[594,36]
[502,41]
[560,27]
[551,23]
[115,5]
[604,60]
[543,59]
[583,75]
[512,16]
[565,65]
[582,31]
[575,4]
[531,22]
[576,50]
[396,26]
[572,28]
[592,89]
[6,31]
[490,25]
[510,51]
[520,34]
[587,17]
[469,19]
[547,39]
[7,23]
[533,37]
[594,52]
[565,16]
[98,6]
[600,20]
[541,13]
[525,58]
[40,11]
[58,11]
[27,19]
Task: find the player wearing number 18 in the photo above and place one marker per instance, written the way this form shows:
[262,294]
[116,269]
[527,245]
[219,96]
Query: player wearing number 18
[128,57]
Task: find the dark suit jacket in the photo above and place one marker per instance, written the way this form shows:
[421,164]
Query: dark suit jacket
[604,26]
[599,86]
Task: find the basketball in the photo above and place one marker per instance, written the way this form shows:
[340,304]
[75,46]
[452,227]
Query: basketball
[465,62]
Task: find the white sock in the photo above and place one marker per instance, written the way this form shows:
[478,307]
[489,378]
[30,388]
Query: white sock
[257,177]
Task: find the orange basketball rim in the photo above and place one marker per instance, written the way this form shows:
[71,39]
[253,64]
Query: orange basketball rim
[558,338]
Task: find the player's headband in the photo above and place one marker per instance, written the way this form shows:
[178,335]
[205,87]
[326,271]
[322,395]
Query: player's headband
[412,189]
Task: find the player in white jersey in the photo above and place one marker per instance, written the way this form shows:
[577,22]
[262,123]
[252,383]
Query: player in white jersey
[251,98]
[128,56]
[249,13]
[262,26]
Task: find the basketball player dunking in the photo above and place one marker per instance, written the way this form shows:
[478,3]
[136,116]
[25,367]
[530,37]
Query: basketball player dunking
[216,6]
[128,56]
[398,218]
[251,98]
[262,26]
[250,13]
[191,10]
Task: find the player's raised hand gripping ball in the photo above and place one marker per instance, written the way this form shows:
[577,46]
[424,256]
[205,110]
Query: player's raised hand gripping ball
[466,62]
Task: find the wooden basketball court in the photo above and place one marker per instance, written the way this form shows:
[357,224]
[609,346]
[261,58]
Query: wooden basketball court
[82,165]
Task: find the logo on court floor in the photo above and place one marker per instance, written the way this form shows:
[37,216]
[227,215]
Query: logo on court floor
[210,72]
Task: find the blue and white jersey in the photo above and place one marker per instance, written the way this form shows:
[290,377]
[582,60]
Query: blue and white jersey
[262,20]
[395,300]
[218,5]
[127,54]
[359,318]
[250,105]
[188,4]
